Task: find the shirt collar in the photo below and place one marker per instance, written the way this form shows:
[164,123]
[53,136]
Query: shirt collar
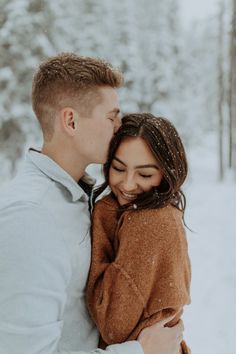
[50,168]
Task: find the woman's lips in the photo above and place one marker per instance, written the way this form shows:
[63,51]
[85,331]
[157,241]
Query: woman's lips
[128,196]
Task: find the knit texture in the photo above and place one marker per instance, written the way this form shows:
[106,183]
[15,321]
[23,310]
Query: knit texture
[140,270]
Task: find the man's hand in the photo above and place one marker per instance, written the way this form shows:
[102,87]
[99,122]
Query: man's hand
[158,339]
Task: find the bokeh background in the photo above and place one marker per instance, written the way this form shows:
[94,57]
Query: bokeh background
[179,61]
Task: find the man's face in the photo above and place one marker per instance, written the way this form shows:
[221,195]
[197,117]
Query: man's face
[96,131]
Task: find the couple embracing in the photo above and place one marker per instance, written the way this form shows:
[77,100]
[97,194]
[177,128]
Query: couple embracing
[94,271]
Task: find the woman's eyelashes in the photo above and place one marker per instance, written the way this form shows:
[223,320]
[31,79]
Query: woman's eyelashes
[118,169]
[145,176]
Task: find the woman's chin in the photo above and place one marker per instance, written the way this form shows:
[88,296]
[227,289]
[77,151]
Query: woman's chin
[123,201]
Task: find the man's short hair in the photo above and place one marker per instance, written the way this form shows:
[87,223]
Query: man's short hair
[70,80]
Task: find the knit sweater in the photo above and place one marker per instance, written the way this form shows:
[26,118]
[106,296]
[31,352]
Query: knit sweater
[140,270]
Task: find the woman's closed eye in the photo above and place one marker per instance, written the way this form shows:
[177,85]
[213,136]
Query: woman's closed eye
[118,169]
[145,176]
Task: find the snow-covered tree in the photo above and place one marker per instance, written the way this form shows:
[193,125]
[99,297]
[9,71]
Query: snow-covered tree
[169,71]
[24,41]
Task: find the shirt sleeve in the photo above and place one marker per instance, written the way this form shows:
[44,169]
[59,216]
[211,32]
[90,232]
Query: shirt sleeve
[124,348]
[148,279]
[35,270]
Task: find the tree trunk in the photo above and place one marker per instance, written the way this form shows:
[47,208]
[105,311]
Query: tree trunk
[232,122]
[221,92]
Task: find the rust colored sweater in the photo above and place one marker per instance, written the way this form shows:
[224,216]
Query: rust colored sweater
[140,270]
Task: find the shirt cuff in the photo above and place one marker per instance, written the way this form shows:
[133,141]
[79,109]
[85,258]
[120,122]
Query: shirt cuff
[133,347]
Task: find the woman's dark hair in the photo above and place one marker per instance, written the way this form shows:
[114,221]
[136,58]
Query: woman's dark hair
[164,142]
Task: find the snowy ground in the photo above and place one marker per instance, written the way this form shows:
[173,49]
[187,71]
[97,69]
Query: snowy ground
[211,213]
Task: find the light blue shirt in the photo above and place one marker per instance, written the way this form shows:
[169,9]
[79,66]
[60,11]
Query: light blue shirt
[44,262]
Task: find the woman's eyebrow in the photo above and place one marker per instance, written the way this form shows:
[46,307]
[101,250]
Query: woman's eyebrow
[139,166]
[116,158]
[147,166]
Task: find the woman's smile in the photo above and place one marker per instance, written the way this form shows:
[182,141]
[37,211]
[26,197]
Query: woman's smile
[128,196]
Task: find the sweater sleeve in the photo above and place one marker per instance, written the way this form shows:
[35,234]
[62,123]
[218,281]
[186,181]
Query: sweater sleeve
[147,280]
[35,270]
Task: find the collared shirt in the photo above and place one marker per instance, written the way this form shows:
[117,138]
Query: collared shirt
[44,262]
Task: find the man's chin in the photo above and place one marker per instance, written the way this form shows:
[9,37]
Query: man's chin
[100,161]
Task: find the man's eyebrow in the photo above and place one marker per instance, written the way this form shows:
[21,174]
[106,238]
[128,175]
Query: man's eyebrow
[139,166]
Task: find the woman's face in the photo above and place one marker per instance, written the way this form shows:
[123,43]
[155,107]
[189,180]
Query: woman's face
[133,170]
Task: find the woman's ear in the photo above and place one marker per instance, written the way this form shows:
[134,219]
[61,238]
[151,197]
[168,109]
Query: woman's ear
[69,120]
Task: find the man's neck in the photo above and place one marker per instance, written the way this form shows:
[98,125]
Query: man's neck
[66,160]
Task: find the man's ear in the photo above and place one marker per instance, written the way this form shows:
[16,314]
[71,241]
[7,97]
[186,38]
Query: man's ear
[69,120]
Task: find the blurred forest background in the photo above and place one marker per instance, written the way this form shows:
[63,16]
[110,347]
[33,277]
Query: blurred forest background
[187,74]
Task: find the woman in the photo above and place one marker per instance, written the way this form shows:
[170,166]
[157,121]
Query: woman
[140,270]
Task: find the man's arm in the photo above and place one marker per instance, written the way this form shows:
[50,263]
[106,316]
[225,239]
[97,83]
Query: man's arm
[35,270]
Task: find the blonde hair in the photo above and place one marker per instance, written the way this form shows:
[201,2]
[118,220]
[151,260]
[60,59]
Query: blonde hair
[71,80]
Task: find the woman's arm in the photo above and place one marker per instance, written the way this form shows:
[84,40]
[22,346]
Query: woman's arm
[146,281]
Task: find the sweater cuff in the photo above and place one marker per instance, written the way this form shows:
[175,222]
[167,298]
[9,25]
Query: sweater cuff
[133,347]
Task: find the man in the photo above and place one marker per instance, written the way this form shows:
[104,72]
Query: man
[45,221]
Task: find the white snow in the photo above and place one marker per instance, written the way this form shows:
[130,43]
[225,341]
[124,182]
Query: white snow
[210,319]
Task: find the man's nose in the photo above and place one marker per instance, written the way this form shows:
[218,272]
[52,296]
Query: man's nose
[117,123]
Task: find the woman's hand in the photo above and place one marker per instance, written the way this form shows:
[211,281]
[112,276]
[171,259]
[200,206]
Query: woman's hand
[158,339]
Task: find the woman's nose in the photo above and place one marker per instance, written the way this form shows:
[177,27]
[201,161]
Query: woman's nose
[129,184]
